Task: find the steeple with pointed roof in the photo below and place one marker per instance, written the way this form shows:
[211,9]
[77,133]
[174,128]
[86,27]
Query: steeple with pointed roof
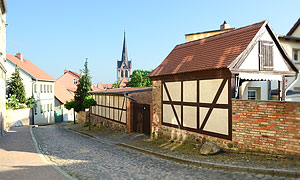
[124,66]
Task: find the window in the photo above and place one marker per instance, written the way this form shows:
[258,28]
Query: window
[126,73]
[35,88]
[51,88]
[48,108]
[252,94]
[41,107]
[265,56]
[122,73]
[45,108]
[35,110]
[45,88]
[75,81]
[296,55]
[41,88]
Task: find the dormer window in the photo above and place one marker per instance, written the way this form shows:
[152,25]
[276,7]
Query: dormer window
[266,56]
[75,81]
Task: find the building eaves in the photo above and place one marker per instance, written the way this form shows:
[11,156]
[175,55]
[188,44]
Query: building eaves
[289,37]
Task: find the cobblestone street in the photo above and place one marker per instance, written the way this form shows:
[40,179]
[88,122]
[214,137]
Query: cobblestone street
[86,158]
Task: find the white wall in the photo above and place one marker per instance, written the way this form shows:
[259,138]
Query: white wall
[44,99]
[252,60]
[27,79]
[252,63]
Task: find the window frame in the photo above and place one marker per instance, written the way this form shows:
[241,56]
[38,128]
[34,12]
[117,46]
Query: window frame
[255,93]
[266,64]
[297,51]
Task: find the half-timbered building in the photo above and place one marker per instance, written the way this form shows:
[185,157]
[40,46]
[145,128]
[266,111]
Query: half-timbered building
[194,86]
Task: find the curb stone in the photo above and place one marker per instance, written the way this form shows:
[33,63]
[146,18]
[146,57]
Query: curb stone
[45,158]
[231,168]
[210,165]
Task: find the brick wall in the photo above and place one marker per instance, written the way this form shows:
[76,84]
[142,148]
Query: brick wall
[142,97]
[263,126]
[268,126]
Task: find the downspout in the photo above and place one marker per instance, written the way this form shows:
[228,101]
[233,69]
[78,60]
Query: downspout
[293,83]
[131,98]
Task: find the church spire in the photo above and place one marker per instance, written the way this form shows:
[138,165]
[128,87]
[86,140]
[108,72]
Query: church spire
[124,52]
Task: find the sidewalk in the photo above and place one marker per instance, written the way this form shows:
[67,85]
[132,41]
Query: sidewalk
[188,154]
[20,160]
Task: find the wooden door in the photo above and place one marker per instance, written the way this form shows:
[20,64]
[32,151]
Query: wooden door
[141,118]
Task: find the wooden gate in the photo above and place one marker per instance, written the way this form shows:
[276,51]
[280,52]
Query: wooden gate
[58,115]
[141,118]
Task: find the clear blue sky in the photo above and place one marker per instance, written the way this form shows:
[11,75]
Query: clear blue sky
[59,34]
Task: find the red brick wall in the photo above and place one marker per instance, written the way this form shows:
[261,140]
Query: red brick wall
[268,126]
[142,97]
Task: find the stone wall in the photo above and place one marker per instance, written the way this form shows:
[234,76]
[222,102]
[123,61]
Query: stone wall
[261,126]
[142,97]
[103,122]
[82,117]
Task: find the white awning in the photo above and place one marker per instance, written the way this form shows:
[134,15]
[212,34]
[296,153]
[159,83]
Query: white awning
[260,77]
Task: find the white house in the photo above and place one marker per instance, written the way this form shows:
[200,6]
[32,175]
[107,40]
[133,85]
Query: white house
[2,61]
[291,44]
[38,84]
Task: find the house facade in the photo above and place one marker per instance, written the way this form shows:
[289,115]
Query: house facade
[194,86]
[65,88]
[3,10]
[124,67]
[38,84]
[291,44]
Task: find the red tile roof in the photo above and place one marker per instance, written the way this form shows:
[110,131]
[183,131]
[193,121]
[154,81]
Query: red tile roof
[123,83]
[124,90]
[100,85]
[30,68]
[61,93]
[214,52]
[73,73]
[293,28]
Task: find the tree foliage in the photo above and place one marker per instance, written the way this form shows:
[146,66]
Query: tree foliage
[82,99]
[16,86]
[139,79]
[116,84]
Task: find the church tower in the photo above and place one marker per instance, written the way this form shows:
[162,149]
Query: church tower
[124,66]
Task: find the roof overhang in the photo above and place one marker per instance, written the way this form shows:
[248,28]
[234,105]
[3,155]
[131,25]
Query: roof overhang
[260,76]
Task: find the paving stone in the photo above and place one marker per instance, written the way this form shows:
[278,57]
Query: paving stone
[88,158]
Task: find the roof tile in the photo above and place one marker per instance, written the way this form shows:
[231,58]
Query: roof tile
[214,52]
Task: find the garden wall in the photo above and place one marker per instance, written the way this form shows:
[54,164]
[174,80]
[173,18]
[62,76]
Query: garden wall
[18,117]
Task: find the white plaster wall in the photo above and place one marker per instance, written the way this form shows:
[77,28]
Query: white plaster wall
[27,79]
[44,99]
[19,117]
[263,85]
[2,72]
[252,60]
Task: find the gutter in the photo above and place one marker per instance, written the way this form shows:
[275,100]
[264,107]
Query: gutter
[131,98]
[293,83]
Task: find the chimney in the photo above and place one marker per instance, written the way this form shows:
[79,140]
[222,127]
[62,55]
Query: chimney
[225,25]
[20,56]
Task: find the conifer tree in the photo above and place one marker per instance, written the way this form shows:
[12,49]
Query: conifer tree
[16,86]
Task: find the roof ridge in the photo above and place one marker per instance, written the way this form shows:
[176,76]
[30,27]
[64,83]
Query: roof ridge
[217,35]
